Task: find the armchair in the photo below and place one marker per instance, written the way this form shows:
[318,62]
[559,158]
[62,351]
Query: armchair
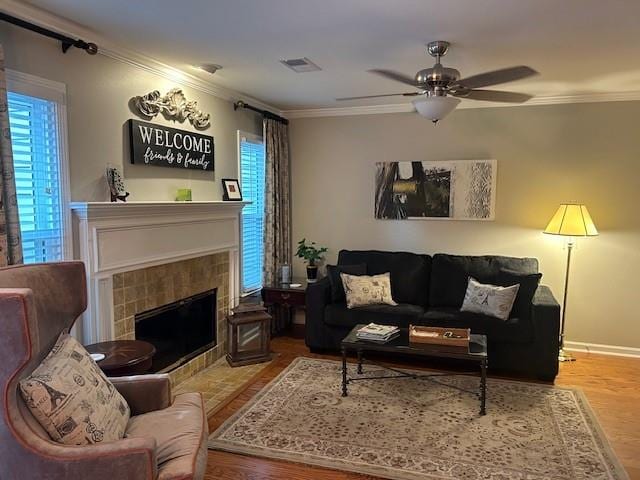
[164,441]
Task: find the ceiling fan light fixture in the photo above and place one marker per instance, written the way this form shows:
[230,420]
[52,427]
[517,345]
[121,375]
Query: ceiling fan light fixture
[435,107]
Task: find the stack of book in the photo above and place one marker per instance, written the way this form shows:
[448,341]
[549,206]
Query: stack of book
[378,333]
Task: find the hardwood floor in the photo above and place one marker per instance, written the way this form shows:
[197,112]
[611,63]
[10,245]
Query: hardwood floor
[610,383]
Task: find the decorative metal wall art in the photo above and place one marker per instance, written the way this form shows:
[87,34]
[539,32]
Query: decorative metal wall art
[172,105]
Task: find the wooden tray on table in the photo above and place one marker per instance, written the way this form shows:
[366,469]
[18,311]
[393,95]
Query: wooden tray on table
[454,337]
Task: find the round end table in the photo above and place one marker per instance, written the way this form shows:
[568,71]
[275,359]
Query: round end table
[124,357]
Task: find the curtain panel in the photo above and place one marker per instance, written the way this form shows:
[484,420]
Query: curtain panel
[10,242]
[277,229]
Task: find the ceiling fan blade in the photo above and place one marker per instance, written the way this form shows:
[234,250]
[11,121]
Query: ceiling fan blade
[493,96]
[496,77]
[411,94]
[392,75]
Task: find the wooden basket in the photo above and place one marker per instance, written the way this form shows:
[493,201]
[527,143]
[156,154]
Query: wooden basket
[416,337]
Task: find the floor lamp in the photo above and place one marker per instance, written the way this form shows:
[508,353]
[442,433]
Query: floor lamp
[571,220]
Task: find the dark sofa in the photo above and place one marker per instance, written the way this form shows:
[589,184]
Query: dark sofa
[429,290]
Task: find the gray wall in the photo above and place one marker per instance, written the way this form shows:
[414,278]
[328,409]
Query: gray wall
[546,155]
[98,92]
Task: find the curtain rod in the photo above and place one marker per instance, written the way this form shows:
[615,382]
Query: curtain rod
[264,113]
[67,42]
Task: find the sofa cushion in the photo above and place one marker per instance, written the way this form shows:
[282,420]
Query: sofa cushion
[513,330]
[180,432]
[364,290]
[528,285]
[450,274]
[334,271]
[72,399]
[402,315]
[489,299]
[410,272]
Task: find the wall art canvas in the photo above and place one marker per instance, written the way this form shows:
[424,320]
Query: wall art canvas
[452,189]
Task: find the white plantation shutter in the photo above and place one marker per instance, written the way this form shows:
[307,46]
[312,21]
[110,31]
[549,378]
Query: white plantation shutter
[252,172]
[35,141]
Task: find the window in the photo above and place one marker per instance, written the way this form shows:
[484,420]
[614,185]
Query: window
[35,139]
[252,165]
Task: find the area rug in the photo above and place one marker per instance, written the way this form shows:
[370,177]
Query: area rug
[421,429]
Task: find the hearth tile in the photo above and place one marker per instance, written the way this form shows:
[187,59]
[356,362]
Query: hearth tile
[141,305]
[140,291]
[154,275]
[156,300]
[165,285]
[139,277]
[129,293]
[165,298]
[118,280]
[129,323]
[181,291]
[151,288]
[118,296]
[119,328]
[179,278]
[118,312]
[128,278]
[218,381]
[129,309]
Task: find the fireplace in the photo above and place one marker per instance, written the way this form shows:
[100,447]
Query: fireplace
[174,250]
[180,330]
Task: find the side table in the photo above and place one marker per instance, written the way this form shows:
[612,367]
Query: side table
[282,299]
[124,357]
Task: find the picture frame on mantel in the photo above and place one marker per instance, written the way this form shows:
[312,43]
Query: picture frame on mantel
[231,190]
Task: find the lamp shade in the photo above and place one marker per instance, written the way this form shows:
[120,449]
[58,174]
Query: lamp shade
[572,219]
[435,107]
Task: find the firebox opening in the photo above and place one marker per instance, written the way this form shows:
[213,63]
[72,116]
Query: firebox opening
[180,330]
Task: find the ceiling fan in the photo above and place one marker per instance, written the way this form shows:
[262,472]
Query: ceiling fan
[439,87]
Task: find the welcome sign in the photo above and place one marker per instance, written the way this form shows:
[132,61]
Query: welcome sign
[153,144]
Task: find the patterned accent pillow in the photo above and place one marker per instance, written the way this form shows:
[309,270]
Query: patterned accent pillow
[334,271]
[489,299]
[362,290]
[72,399]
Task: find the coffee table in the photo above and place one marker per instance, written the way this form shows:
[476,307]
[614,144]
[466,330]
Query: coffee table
[477,353]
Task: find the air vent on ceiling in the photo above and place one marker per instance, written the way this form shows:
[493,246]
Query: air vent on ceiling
[300,65]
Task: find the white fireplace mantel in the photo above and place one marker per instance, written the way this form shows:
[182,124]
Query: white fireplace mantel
[117,237]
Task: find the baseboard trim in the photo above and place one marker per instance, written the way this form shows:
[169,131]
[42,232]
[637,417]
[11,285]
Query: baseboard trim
[602,349]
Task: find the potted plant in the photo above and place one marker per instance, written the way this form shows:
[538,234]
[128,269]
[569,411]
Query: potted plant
[312,254]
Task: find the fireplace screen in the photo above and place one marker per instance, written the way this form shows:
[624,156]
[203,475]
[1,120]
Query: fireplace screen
[180,330]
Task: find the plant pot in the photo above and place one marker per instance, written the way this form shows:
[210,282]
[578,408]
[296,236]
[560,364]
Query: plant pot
[312,273]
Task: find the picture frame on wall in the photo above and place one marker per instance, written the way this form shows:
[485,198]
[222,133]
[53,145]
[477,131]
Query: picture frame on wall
[231,190]
[436,190]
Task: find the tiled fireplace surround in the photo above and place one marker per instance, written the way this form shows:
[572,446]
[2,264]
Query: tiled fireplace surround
[144,289]
[142,255]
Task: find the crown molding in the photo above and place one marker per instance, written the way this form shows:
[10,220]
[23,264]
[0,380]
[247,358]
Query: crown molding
[347,111]
[132,58]
[466,104]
